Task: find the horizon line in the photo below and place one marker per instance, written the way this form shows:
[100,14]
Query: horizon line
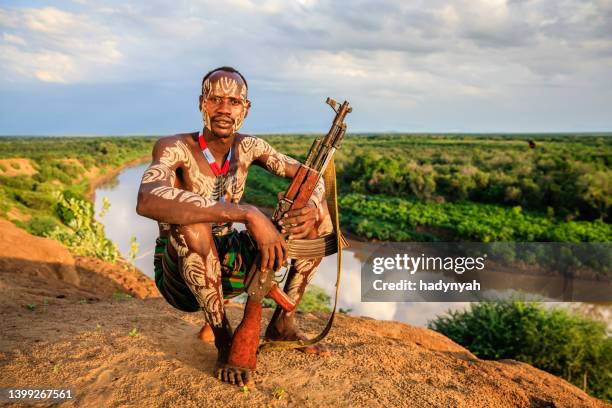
[360,133]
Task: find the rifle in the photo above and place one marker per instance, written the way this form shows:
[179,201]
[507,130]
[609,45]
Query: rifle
[296,197]
[321,152]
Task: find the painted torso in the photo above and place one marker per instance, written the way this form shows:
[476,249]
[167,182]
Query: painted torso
[194,174]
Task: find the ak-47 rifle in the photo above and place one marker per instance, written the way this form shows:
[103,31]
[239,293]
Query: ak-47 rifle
[296,197]
[321,152]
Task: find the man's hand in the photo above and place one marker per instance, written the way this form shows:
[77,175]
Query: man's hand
[300,223]
[269,241]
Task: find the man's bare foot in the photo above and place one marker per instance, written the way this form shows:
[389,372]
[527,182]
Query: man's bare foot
[206,334]
[237,363]
[234,375]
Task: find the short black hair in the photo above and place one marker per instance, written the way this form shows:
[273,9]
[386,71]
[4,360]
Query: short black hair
[226,69]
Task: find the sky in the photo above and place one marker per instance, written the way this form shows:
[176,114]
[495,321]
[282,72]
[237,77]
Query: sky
[127,67]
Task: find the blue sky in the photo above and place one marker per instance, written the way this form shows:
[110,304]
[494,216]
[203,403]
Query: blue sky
[125,67]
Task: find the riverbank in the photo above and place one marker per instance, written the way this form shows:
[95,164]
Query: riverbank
[112,173]
[36,172]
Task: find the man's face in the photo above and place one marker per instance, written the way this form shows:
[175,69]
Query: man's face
[224,103]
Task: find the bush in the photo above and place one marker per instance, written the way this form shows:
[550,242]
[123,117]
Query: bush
[315,300]
[560,342]
[65,212]
[41,225]
[35,200]
[17,182]
[82,234]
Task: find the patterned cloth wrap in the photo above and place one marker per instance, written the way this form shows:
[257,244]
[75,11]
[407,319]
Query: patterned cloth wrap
[237,253]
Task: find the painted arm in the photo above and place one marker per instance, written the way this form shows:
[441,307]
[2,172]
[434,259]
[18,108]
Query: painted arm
[299,223]
[159,199]
[285,166]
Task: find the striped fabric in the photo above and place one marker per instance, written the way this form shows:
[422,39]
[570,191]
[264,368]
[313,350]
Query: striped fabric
[236,252]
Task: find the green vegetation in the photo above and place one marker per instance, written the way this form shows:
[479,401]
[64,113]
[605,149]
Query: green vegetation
[262,188]
[63,165]
[118,295]
[561,342]
[392,187]
[80,233]
[52,202]
[569,174]
[90,151]
[315,300]
[391,218]
[134,246]
[466,187]
[279,393]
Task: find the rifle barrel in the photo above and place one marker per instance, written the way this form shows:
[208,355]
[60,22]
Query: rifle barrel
[333,137]
[313,150]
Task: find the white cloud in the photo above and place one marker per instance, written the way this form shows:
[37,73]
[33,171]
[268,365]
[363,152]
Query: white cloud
[12,39]
[422,45]
[412,54]
[52,45]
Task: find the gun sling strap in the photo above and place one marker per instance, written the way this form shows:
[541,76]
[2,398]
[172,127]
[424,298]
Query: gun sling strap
[315,248]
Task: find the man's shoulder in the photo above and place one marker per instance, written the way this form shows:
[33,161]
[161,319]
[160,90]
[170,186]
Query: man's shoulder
[245,138]
[170,141]
[251,146]
[250,141]
[179,144]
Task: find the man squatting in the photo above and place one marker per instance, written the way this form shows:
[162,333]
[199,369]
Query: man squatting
[193,189]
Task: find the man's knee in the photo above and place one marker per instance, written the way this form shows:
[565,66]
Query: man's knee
[196,237]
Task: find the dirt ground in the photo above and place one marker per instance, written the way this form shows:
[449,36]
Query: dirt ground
[68,324]
[16,167]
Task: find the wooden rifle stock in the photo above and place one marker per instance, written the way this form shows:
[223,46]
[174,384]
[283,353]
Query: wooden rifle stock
[257,289]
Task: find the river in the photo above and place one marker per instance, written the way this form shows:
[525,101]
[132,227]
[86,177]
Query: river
[121,223]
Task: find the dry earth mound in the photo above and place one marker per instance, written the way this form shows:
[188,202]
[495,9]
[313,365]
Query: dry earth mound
[117,351]
[16,167]
[36,265]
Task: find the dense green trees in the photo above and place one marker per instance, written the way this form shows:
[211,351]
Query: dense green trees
[480,188]
[388,218]
[576,185]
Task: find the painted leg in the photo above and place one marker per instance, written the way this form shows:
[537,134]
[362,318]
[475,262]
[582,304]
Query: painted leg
[206,334]
[243,353]
[201,270]
[282,325]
